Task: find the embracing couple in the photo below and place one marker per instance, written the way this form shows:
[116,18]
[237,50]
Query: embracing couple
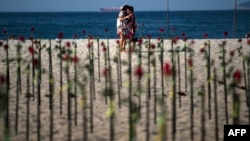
[126,26]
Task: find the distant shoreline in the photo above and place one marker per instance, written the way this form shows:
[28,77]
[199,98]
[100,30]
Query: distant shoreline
[116,11]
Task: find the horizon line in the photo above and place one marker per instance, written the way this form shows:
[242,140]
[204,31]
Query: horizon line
[117,11]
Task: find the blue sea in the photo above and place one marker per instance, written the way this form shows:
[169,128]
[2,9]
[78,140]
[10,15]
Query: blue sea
[194,24]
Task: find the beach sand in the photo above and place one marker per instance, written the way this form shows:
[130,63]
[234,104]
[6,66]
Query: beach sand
[101,122]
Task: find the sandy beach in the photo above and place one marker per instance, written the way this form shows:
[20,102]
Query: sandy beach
[100,110]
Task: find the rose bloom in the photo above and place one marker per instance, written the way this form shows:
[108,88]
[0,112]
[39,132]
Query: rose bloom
[139,72]
[4,31]
[104,49]
[75,36]
[237,76]
[248,41]
[65,57]
[149,36]
[6,46]
[175,39]
[2,79]
[118,42]
[192,42]
[224,43]
[183,34]
[161,29]
[89,45]
[90,37]
[35,62]
[232,52]
[67,44]
[31,50]
[60,35]
[140,41]
[83,31]
[102,44]
[190,62]
[239,40]
[205,35]
[173,28]
[167,69]
[185,38]
[159,38]
[75,59]
[21,38]
[105,72]
[31,38]
[202,49]
[152,46]
[32,29]
[225,34]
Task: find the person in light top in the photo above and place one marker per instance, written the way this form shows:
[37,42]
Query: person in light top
[121,25]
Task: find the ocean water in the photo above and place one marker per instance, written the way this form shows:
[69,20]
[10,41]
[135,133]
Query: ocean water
[194,24]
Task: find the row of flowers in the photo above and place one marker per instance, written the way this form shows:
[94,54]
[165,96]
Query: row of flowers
[168,71]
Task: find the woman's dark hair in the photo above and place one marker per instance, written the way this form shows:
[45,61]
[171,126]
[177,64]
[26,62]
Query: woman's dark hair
[125,7]
[131,8]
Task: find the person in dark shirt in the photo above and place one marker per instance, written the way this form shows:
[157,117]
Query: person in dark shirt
[131,25]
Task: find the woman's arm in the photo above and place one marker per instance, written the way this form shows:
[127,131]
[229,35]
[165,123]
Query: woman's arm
[124,18]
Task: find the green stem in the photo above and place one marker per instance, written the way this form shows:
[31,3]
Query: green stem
[75,83]
[216,107]
[61,76]
[51,91]
[203,128]
[209,80]
[191,101]
[28,102]
[148,96]
[225,82]
[174,92]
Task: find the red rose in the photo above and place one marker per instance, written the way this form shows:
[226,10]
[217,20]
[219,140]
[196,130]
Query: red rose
[237,76]
[140,41]
[205,35]
[152,46]
[75,36]
[239,40]
[232,52]
[60,35]
[105,72]
[161,29]
[31,50]
[32,29]
[225,34]
[4,31]
[6,47]
[248,41]
[139,72]
[2,79]
[190,62]
[83,31]
[167,70]
[104,49]
[75,59]
[35,62]
[21,38]
[67,44]
[202,50]
[118,42]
